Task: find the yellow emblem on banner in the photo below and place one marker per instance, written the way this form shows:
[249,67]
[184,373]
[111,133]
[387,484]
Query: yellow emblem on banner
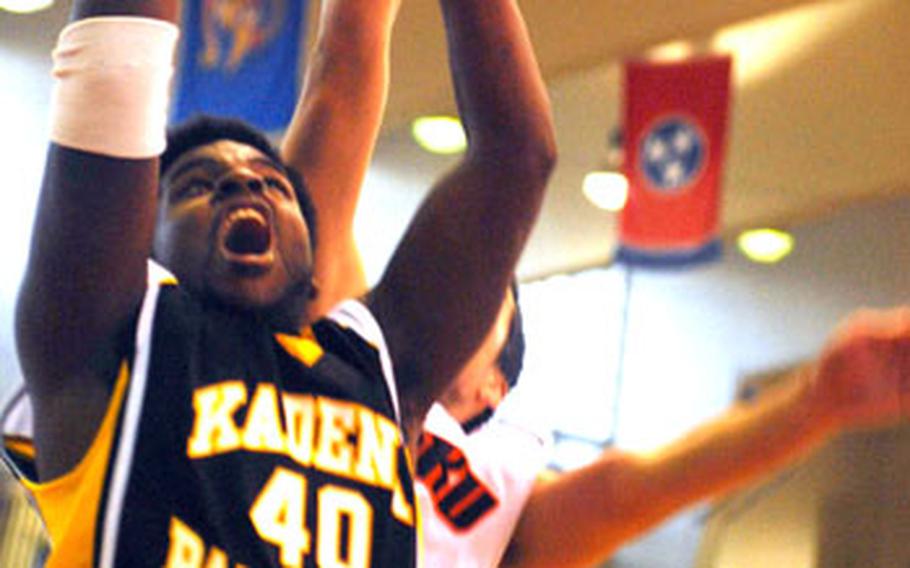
[233,29]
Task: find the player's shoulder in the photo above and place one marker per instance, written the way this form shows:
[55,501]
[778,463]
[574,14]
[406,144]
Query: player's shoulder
[353,319]
[499,431]
[351,332]
[503,431]
[508,453]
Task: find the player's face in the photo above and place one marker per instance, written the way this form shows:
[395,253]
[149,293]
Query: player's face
[480,384]
[229,224]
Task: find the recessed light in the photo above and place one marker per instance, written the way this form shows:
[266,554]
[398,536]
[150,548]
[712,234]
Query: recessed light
[439,134]
[765,245]
[671,51]
[25,6]
[606,190]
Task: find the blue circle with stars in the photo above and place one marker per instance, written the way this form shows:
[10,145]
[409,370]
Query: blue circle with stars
[672,154]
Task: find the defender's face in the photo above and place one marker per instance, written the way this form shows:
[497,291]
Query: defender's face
[229,225]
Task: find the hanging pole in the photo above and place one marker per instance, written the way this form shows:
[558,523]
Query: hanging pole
[621,359]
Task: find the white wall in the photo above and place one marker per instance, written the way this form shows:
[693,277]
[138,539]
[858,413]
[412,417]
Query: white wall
[24,96]
[694,335]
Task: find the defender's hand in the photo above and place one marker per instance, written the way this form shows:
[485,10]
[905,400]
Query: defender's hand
[862,378]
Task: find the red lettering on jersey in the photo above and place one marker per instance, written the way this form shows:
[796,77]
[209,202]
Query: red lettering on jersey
[457,493]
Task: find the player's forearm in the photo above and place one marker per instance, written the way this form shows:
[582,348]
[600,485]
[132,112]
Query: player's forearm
[361,25]
[346,79]
[749,441]
[445,283]
[161,9]
[623,494]
[95,211]
[856,382]
[334,130]
[579,518]
[501,96]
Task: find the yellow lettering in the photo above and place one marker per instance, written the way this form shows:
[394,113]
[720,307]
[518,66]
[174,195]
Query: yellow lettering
[214,430]
[333,436]
[300,418]
[334,453]
[279,513]
[376,449]
[262,430]
[217,559]
[335,504]
[186,549]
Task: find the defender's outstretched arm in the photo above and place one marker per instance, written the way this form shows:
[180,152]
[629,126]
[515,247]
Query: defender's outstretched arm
[861,379]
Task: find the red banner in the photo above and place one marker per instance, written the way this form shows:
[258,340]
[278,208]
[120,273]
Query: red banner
[674,132]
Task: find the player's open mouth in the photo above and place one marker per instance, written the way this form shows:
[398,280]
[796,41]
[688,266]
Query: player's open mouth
[245,238]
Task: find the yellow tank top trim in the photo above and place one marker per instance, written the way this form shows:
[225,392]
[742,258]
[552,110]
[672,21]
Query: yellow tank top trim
[69,503]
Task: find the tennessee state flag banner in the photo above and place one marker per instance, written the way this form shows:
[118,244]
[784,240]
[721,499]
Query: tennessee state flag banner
[674,132]
[240,59]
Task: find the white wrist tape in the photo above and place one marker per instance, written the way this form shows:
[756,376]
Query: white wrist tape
[112,85]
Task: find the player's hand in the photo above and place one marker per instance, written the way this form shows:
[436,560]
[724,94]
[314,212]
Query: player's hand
[862,378]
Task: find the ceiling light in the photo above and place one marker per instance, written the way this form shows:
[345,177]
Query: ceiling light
[671,51]
[439,134]
[765,245]
[606,190]
[25,6]
[768,46]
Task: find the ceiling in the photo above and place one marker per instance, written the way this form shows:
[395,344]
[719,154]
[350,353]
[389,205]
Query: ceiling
[820,111]
[820,107]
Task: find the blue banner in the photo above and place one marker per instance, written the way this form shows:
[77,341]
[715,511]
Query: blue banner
[680,258]
[240,59]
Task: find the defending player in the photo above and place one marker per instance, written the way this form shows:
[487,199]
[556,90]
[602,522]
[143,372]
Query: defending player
[205,423]
[481,485]
[860,380]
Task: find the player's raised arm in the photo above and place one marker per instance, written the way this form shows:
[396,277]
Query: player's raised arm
[334,129]
[862,379]
[87,264]
[445,282]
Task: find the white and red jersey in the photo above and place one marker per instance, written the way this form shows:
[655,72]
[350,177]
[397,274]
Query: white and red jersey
[471,488]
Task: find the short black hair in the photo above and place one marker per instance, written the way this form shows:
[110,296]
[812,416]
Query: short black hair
[511,358]
[204,129]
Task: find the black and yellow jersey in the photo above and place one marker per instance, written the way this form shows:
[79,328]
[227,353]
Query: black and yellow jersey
[227,444]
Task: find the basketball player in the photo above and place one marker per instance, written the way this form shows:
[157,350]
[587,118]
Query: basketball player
[204,420]
[487,501]
[331,138]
